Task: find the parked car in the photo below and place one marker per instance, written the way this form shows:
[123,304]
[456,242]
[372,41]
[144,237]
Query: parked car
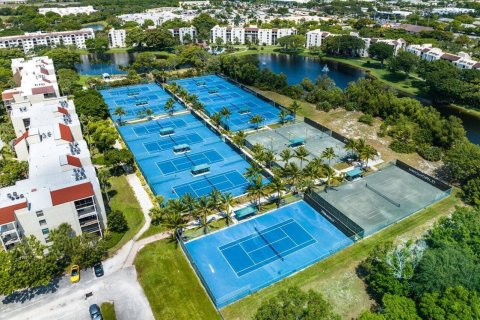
[98,269]
[74,274]
[95,312]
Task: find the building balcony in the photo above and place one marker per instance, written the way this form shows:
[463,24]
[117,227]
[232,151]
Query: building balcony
[85,212]
[91,228]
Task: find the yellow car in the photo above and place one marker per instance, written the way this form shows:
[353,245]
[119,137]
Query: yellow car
[75,274]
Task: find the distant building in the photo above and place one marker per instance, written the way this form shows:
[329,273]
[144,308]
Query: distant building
[450,10]
[116,38]
[29,41]
[194,3]
[157,16]
[180,33]
[411,28]
[65,11]
[396,45]
[62,186]
[253,34]
[429,53]
[315,38]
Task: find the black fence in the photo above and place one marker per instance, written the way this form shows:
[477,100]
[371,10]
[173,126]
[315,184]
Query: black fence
[423,176]
[337,218]
[322,128]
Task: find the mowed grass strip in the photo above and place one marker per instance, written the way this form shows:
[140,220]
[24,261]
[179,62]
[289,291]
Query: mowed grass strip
[170,284]
[108,311]
[122,198]
[327,275]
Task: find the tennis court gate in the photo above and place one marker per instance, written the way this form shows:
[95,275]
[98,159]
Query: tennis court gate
[339,220]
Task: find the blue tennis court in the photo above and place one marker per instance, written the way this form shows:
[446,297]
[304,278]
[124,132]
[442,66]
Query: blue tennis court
[216,93]
[239,260]
[187,158]
[136,99]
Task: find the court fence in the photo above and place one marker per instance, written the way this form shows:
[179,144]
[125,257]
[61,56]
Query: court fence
[322,128]
[437,183]
[335,216]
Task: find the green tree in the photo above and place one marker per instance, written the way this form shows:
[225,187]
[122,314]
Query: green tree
[12,171]
[453,303]
[294,107]
[169,106]
[145,62]
[286,155]
[63,58]
[204,209]
[102,135]
[296,304]
[116,222]
[204,22]
[394,307]
[256,120]
[256,190]
[343,45]
[98,45]
[89,103]
[278,185]
[68,81]
[403,61]
[292,43]
[302,153]
[380,51]
[227,201]
[89,249]
[120,112]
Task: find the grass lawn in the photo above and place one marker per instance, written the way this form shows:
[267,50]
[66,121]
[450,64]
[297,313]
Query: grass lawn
[171,286]
[335,276]
[152,230]
[123,199]
[84,78]
[108,311]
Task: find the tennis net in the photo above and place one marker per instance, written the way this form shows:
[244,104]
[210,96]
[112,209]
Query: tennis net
[382,195]
[269,244]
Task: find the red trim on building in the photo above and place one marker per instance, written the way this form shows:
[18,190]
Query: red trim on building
[69,194]
[7,214]
[65,132]
[23,136]
[8,95]
[43,90]
[62,110]
[74,161]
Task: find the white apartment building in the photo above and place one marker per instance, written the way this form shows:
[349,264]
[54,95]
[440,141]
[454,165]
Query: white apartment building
[316,37]
[116,38]
[253,34]
[29,41]
[35,79]
[194,3]
[180,33]
[429,53]
[397,45]
[62,186]
[158,17]
[452,10]
[65,11]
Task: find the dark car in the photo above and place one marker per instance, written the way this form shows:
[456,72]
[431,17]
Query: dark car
[95,312]
[98,269]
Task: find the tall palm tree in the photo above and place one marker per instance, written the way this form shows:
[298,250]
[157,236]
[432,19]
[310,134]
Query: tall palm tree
[149,113]
[141,113]
[351,145]
[268,158]
[169,106]
[214,197]
[257,152]
[256,121]
[204,209]
[301,153]
[253,171]
[329,154]
[119,111]
[174,221]
[278,185]
[293,173]
[286,155]
[305,184]
[190,202]
[283,115]
[177,205]
[216,119]
[367,153]
[103,176]
[225,113]
[256,190]
[294,107]
[227,202]
[331,177]
[239,138]
[360,145]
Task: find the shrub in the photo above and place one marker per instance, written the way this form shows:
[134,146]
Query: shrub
[430,153]
[116,222]
[324,106]
[402,147]
[366,118]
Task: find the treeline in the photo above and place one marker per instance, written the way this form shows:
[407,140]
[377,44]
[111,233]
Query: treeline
[437,277]
[413,127]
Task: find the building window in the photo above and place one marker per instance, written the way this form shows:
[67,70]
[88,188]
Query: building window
[42,222]
[47,239]
[45,231]
[39,214]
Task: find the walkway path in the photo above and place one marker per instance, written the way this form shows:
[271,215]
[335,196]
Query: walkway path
[144,201]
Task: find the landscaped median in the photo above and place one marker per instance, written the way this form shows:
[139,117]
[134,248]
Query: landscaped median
[174,291]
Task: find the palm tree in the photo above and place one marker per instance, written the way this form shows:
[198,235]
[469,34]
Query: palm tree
[239,138]
[329,154]
[169,106]
[278,185]
[216,119]
[351,145]
[253,171]
[214,197]
[360,145]
[190,202]
[141,113]
[293,173]
[103,176]
[305,184]
[367,153]
[204,209]
[174,221]
[177,205]
[225,113]
[119,111]
[257,152]
[294,107]
[149,113]
[256,190]
[331,177]
[301,153]
[198,106]
[256,121]
[268,158]
[283,115]
[227,202]
[286,155]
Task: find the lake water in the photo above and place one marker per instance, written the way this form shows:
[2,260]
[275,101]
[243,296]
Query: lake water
[95,27]
[94,65]
[296,68]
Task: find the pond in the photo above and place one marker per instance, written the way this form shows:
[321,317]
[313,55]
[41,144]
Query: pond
[297,67]
[95,64]
[95,27]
